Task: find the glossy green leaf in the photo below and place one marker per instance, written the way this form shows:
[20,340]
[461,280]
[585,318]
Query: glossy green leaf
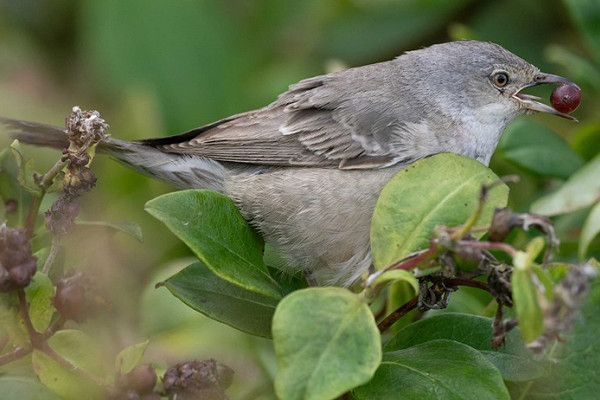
[128,227]
[218,299]
[439,369]
[39,295]
[130,357]
[82,352]
[212,227]
[538,149]
[22,388]
[326,343]
[591,229]
[581,190]
[525,299]
[514,361]
[439,190]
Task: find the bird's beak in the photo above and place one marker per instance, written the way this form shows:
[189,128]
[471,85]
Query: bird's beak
[529,102]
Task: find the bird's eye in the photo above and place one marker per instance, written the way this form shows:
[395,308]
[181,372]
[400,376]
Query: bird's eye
[500,79]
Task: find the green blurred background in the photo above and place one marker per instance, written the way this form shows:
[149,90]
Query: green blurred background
[155,68]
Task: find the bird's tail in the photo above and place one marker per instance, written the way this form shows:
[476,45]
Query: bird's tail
[183,171]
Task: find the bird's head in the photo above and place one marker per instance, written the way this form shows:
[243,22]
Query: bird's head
[477,75]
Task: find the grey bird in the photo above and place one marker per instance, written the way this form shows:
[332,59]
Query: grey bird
[306,170]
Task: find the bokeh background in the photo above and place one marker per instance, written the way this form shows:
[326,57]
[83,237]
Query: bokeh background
[154,68]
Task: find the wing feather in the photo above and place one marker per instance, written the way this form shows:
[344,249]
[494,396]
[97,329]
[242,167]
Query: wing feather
[320,122]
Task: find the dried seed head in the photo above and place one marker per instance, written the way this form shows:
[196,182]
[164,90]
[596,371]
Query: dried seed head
[17,263]
[197,380]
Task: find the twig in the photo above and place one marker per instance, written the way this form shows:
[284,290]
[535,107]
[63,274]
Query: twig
[17,353]
[397,314]
[36,339]
[45,182]
[56,326]
[467,282]
[38,342]
[49,176]
[3,341]
[34,206]
[51,255]
[411,262]
[412,303]
[488,246]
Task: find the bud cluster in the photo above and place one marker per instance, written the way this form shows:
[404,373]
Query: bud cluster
[197,380]
[84,129]
[17,263]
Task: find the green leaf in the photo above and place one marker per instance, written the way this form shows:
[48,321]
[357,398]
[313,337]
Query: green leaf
[79,349]
[130,357]
[11,322]
[82,352]
[545,278]
[439,190]
[128,227]
[591,229]
[39,294]
[538,149]
[526,302]
[367,30]
[20,388]
[326,343]
[218,299]
[514,361]
[587,139]
[586,14]
[439,369]
[399,275]
[10,189]
[581,190]
[575,360]
[26,170]
[212,227]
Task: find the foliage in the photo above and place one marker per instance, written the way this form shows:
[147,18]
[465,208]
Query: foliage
[178,67]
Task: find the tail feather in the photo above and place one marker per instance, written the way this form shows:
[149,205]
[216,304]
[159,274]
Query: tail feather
[36,133]
[182,171]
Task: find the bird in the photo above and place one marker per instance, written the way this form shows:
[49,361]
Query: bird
[306,170]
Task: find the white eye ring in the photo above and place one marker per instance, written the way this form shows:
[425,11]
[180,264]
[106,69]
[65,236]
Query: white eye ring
[500,79]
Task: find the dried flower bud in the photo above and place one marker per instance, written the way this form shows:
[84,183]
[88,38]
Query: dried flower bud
[78,180]
[142,379]
[197,380]
[85,128]
[17,263]
[76,297]
[60,218]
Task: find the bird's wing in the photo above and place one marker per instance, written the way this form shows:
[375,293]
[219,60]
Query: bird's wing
[320,122]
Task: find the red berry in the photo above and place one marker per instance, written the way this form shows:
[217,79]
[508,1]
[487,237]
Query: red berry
[566,98]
